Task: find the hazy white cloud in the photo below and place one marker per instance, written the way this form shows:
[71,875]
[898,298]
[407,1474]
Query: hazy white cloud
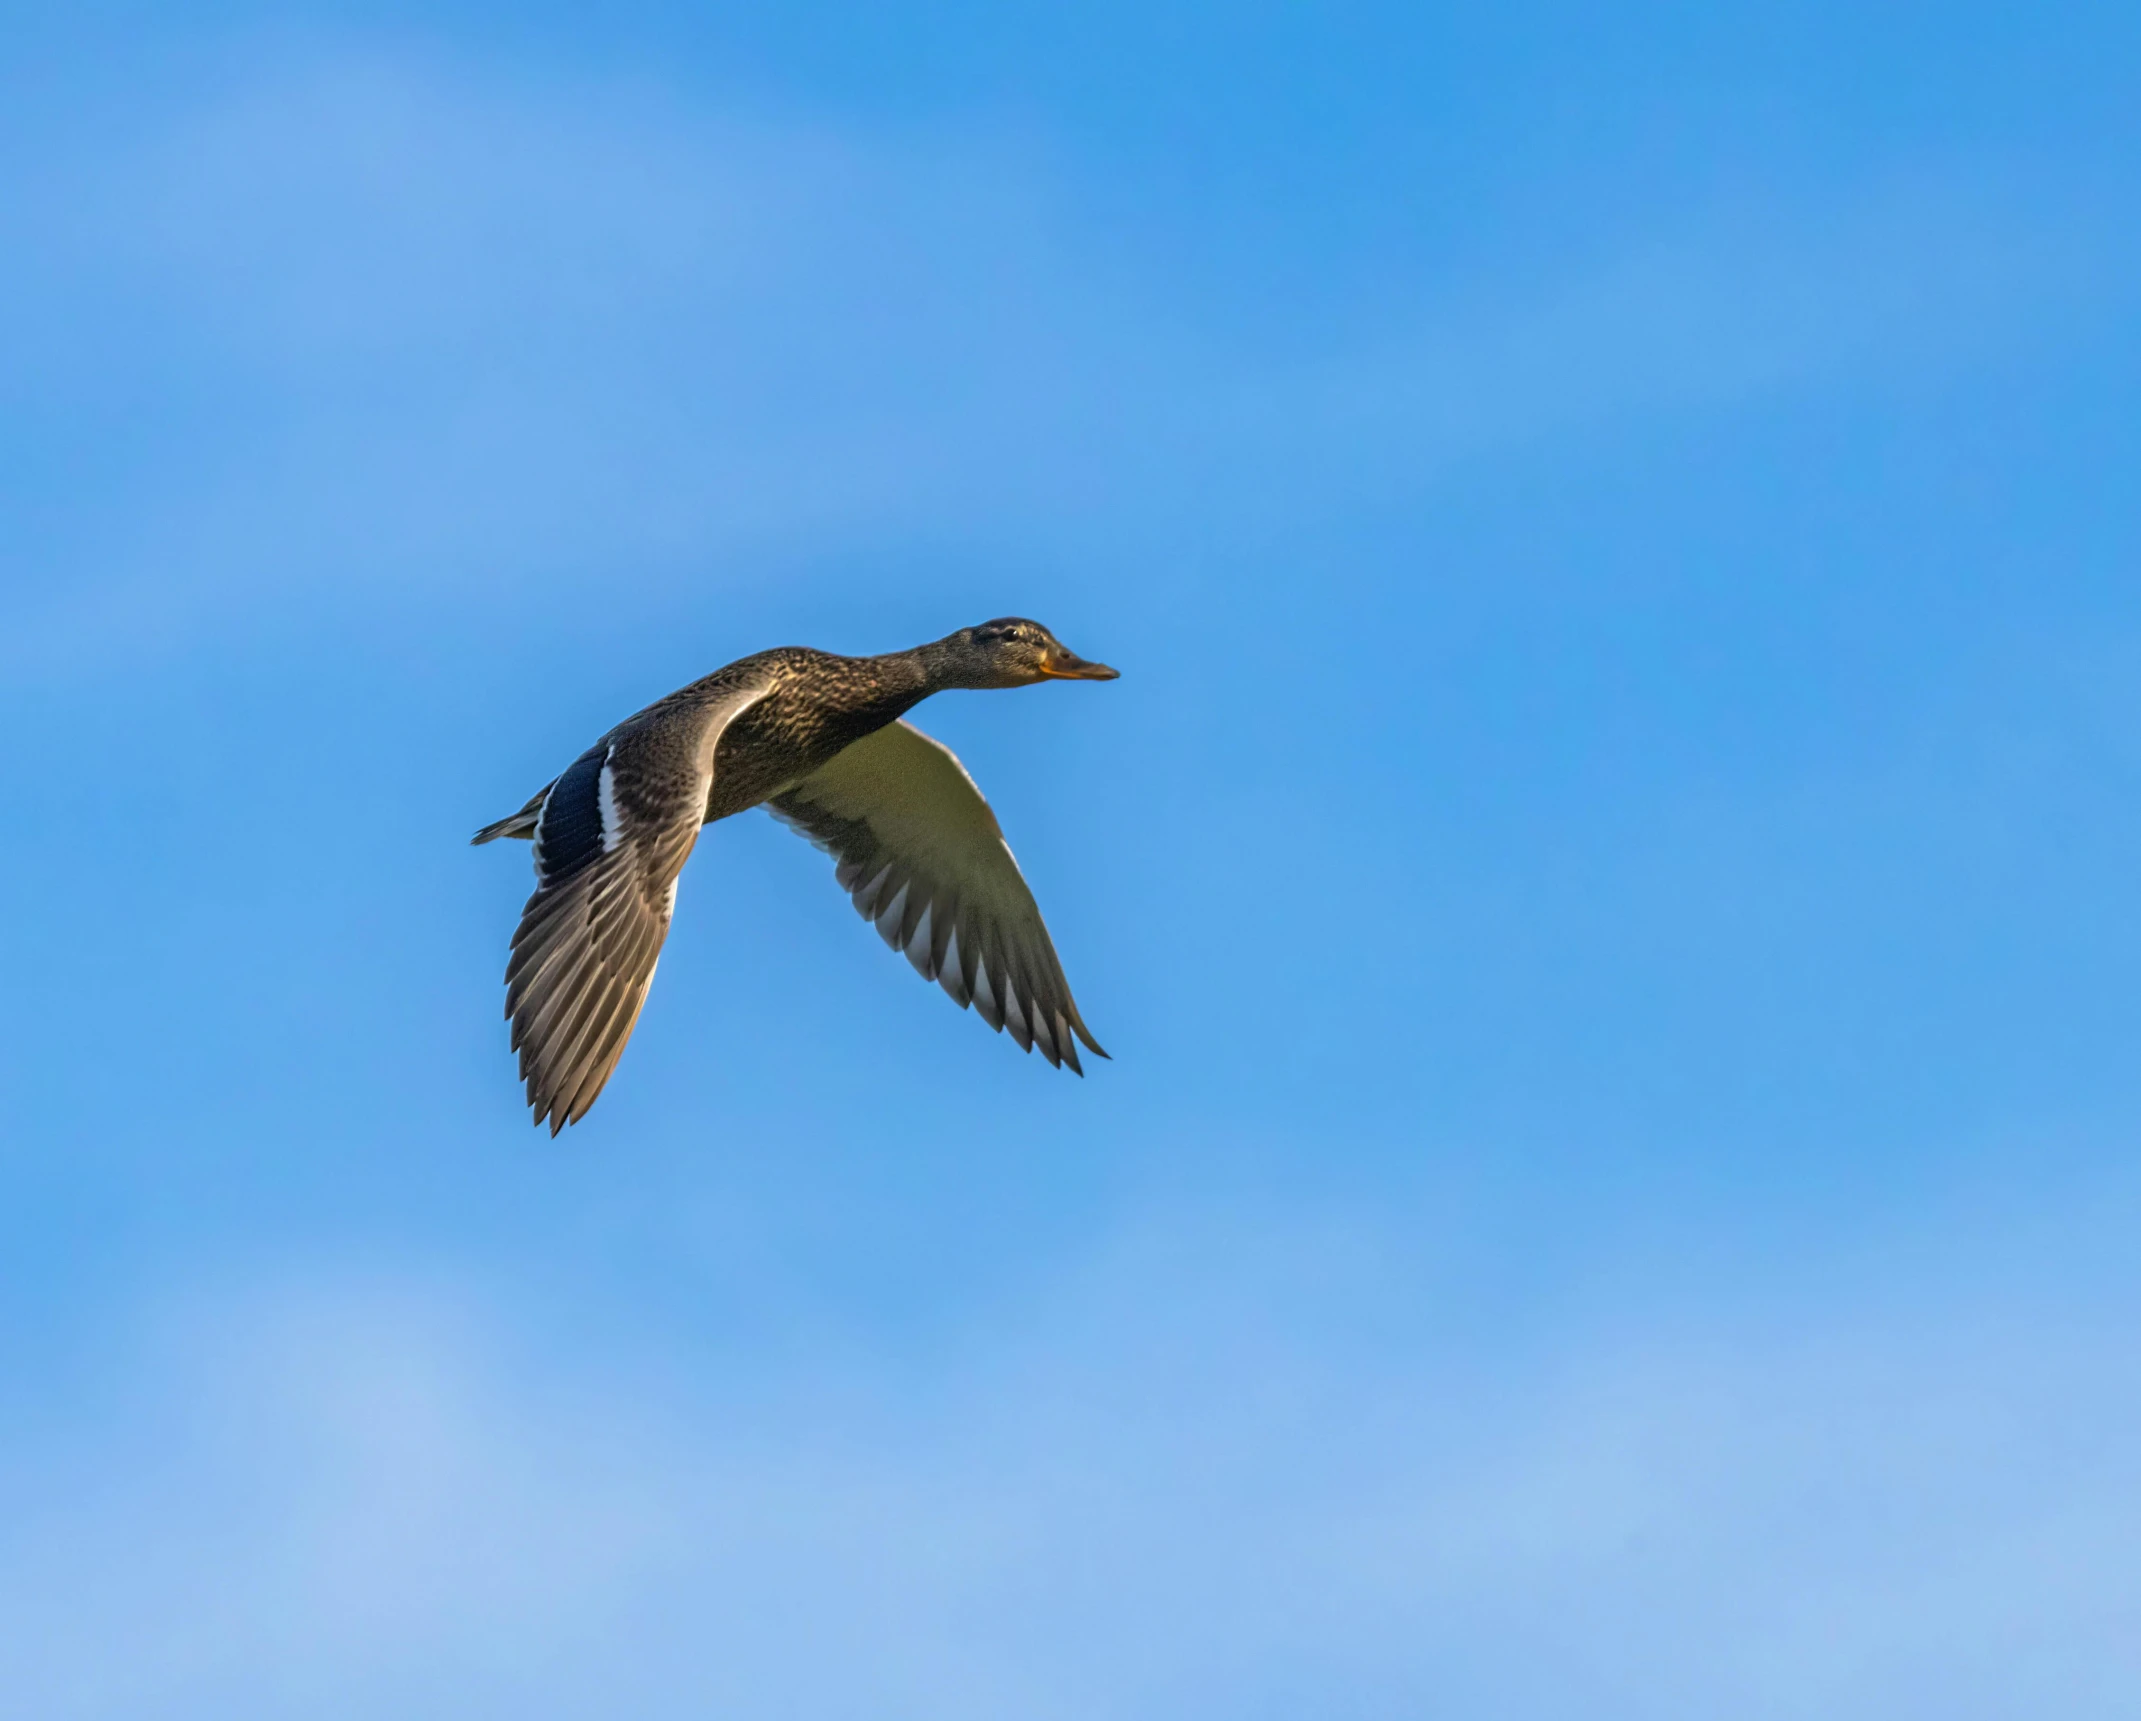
[364,325]
[1180,1484]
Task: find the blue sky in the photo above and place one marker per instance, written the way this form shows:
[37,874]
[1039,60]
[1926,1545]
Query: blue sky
[1610,874]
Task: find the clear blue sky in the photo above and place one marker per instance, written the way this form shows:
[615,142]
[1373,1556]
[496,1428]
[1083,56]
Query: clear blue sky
[1612,875]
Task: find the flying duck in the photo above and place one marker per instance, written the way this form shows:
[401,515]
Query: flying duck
[819,741]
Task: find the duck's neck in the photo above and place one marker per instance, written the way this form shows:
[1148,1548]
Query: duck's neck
[901,680]
[908,677]
[940,665]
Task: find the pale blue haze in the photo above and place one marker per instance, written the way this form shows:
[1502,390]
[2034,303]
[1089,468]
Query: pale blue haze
[1612,875]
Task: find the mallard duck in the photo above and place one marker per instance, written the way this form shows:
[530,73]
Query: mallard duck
[820,742]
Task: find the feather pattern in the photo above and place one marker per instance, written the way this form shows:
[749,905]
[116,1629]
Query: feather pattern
[611,836]
[922,856]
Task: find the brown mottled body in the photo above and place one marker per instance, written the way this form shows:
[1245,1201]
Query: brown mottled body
[819,705]
[613,831]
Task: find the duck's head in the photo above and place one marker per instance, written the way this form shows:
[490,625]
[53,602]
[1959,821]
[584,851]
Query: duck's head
[1014,652]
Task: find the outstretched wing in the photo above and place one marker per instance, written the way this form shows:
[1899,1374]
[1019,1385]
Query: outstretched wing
[923,857]
[610,838]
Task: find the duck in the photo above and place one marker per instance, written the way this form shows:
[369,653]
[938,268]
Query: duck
[822,743]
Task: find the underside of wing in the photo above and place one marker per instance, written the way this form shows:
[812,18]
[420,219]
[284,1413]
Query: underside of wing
[922,857]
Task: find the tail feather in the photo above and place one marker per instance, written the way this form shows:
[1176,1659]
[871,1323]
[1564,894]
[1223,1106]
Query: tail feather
[520,824]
